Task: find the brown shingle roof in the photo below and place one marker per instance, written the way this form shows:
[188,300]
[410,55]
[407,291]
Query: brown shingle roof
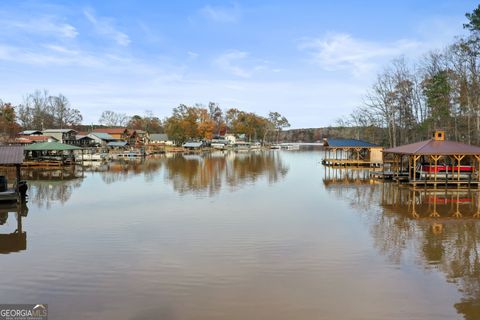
[434,147]
[11,155]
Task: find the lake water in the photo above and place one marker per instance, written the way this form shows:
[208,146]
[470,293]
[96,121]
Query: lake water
[266,235]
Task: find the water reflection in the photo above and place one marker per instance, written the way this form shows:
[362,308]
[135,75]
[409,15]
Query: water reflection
[124,169]
[440,228]
[44,193]
[195,173]
[16,240]
[208,172]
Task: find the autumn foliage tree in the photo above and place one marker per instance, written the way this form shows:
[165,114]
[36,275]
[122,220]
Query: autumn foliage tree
[8,120]
[149,122]
[201,123]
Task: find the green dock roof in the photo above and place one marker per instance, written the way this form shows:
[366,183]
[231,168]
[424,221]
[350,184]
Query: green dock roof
[50,146]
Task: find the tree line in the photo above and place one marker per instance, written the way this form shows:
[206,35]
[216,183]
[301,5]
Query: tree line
[439,91]
[40,110]
[200,122]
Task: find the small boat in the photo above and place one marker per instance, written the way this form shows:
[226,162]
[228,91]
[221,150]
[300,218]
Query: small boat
[290,146]
[445,171]
[218,145]
[93,157]
[241,146]
[7,195]
[255,146]
[131,155]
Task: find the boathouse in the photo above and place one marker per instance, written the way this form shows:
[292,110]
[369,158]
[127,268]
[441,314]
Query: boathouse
[351,152]
[50,154]
[435,162]
[12,156]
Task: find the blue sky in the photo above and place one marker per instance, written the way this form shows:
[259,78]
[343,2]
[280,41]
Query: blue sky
[309,60]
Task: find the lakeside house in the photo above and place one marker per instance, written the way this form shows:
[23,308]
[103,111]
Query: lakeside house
[66,136]
[116,133]
[101,138]
[160,139]
[142,136]
[83,140]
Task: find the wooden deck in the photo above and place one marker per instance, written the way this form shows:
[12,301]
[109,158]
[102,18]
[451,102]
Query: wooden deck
[46,164]
[349,162]
[467,184]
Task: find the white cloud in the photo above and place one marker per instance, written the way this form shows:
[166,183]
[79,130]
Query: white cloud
[341,51]
[40,25]
[221,14]
[105,26]
[48,55]
[230,62]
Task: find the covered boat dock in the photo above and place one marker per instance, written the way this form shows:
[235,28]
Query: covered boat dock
[50,154]
[435,162]
[351,152]
[10,156]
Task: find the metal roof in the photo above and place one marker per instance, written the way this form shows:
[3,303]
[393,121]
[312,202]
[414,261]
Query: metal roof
[58,130]
[51,146]
[435,147]
[158,137]
[349,143]
[192,144]
[29,132]
[102,136]
[11,155]
[117,144]
[82,136]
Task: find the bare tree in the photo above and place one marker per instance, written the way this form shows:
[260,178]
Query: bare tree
[113,119]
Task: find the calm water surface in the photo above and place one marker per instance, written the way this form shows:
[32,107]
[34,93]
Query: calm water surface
[267,235]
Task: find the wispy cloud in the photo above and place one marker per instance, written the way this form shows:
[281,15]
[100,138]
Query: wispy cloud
[49,55]
[230,62]
[341,51]
[106,27]
[221,14]
[40,25]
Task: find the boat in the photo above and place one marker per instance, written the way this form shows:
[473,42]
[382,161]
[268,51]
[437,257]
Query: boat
[218,145]
[255,146]
[6,194]
[92,157]
[133,154]
[275,147]
[445,171]
[290,146]
[240,146]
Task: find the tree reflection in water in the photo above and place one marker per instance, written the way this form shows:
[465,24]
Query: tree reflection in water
[122,170]
[442,228]
[207,173]
[46,187]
